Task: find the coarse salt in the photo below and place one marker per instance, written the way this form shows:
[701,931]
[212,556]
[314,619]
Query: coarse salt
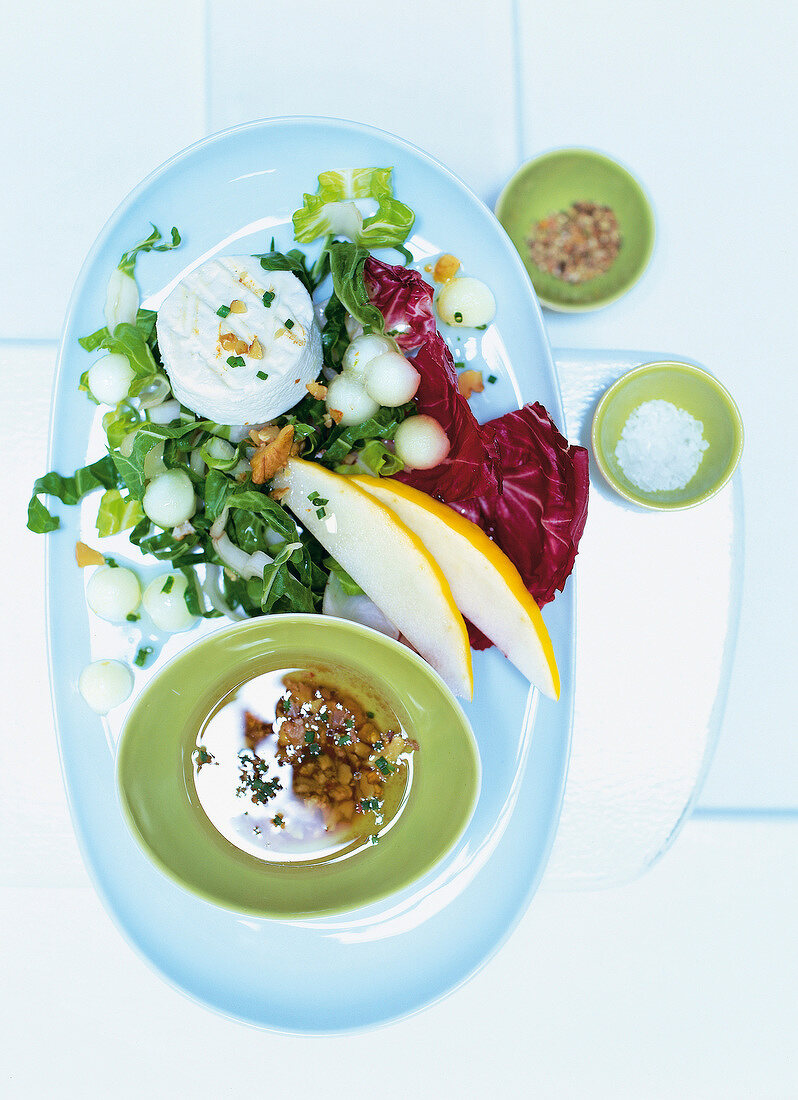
[661,447]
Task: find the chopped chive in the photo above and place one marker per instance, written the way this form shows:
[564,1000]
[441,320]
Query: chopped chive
[223,311]
[492,378]
[384,766]
[349,723]
[141,657]
[277,821]
[369,804]
[378,745]
[314,749]
[132,617]
[289,323]
[373,839]
[313,497]
[458,316]
[344,739]
[369,713]
[320,513]
[310,737]
[167,584]
[262,375]
[235,361]
[268,298]
[112,563]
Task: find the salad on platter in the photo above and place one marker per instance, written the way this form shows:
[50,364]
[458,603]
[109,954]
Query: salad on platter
[289,432]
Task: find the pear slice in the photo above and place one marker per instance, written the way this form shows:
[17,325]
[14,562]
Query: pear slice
[388,561]
[486,586]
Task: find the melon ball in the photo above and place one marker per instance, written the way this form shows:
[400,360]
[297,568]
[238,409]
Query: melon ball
[165,603]
[169,499]
[110,378]
[113,593]
[421,442]
[105,684]
[348,396]
[466,303]
[391,379]
[362,351]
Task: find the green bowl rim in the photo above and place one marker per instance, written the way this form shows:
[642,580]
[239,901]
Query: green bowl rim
[650,224]
[612,391]
[249,623]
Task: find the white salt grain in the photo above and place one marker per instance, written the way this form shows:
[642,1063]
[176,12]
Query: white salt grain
[661,447]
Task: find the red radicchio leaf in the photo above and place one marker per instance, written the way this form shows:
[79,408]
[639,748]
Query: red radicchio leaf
[405,301]
[539,515]
[469,470]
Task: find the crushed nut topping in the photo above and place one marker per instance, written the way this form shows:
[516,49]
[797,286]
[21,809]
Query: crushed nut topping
[266,434]
[85,555]
[576,244]
[470,381]
[230,342]
[273,456]
[446,268]
[315,389]
[237,306]
[255,349]
[336,415]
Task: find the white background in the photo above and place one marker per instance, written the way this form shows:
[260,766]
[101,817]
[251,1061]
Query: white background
[682,984]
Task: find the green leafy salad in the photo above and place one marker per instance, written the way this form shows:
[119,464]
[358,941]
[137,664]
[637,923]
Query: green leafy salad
[149,432]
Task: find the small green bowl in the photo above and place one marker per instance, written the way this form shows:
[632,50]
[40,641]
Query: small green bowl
[553,182]
[690,388]
[155,769]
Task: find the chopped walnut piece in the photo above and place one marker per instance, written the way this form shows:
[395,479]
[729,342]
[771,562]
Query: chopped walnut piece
[267,434]
[315,389]
[255,349]
[446,268]
[230,342]
[470,381]
[337,415]
[278,494]
[85,555]
[271,457]
[237,306]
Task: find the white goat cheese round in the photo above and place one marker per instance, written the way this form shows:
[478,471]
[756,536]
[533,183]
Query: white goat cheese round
[250,364]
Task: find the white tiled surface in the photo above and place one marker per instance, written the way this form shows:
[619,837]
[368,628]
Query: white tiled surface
[681,984]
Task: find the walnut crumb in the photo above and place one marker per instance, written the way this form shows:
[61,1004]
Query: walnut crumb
[337,415]
[273,456]
[255,349]
[315,389]
[237,306]
[85,555]
[446,268]
[470,381]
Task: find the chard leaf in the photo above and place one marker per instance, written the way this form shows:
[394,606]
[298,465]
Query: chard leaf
[382,425]
[334,337]
[346,266]
[149,244]
[145,323]
[131,467]
[381,462]
[389,227]
[217,488]
[294,261]
[252,500]
[349,586]
[332,211]
[355,183]
[117,513]
[69,490]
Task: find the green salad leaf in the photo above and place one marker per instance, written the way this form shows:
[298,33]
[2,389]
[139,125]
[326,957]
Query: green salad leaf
[69,490]
[145,323]
[332,210]
[149,244]
[346,267]
[117,513]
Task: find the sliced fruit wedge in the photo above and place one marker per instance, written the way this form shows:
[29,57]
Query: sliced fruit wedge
[388,561]
[485,584]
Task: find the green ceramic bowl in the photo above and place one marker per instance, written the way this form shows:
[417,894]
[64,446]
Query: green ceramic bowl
[690,388]
[155,769]
[553,182]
